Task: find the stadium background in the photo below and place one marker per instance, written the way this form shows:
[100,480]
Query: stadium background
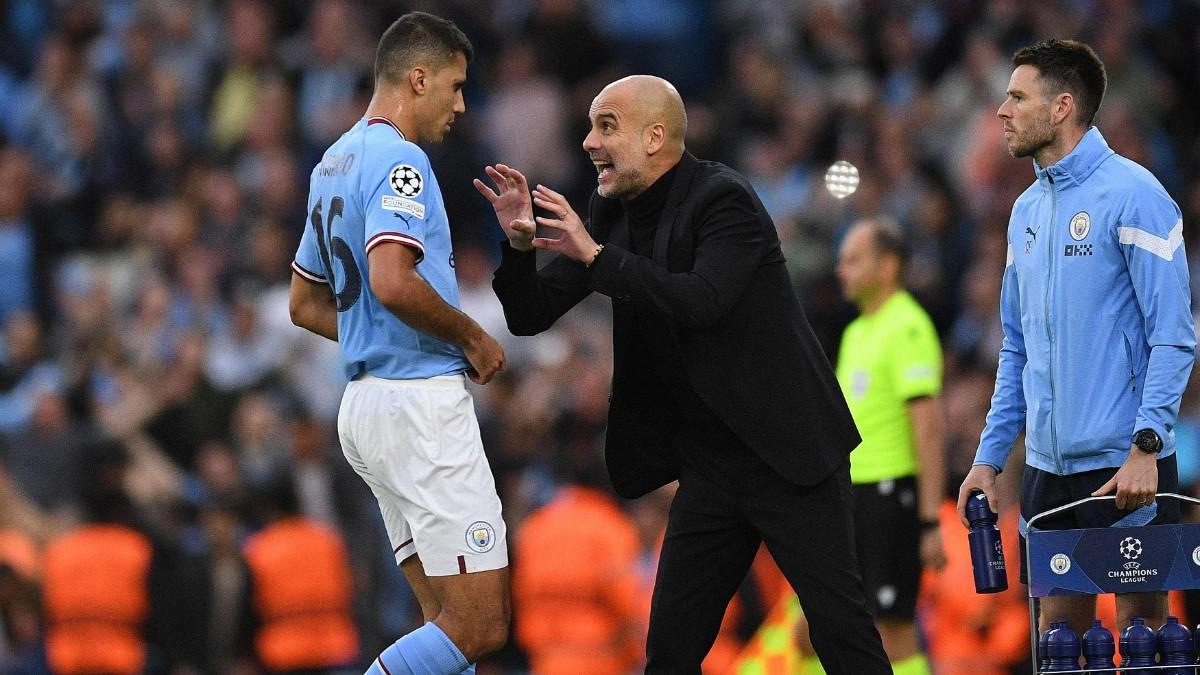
[153,177]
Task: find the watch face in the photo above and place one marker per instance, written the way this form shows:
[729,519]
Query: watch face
[1148,440]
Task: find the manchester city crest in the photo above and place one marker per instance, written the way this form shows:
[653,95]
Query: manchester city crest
[1081,224]
[481,537]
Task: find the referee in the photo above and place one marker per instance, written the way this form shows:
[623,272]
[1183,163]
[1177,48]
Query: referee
[890,370]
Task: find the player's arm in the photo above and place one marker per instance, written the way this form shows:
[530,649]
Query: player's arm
[312,306]
[926,415]
[1006,418]
[1151,238]
[395,282]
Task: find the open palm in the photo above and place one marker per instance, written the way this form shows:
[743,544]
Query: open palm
[511,202]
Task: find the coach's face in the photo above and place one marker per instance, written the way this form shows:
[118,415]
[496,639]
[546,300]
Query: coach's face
[443,99]
[1028,126]
[617,145]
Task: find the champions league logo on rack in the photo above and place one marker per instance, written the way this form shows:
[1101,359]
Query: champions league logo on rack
[1131,572]
[1131,548]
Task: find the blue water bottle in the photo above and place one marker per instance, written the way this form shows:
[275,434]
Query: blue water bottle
[1138,645]
[1062,649]
[1042,640]
[987,553]
[1040,657]
[1175,648]
[1098,649]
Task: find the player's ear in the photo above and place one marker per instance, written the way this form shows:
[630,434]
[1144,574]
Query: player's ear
[418,79]
[1062,107]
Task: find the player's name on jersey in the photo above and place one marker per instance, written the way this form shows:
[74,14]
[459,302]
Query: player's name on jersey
[338,164]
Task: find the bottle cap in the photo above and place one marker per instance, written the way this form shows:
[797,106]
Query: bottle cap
[1174,634]
[978,509]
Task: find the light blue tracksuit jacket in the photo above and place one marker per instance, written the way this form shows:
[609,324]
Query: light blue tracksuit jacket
[1095,306]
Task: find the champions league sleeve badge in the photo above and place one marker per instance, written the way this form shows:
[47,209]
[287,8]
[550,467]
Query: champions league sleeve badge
[406,181]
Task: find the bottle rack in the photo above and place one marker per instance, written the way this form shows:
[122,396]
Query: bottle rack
[1104,560]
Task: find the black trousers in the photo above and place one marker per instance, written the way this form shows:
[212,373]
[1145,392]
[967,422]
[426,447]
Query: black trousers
[729,502]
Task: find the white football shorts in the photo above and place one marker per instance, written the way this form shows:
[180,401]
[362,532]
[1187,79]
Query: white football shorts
[416,444]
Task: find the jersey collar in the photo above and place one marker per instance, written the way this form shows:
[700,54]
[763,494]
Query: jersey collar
[380,119]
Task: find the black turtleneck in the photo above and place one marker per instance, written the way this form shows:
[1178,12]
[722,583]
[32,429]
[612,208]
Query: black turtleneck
[644,211]
[657,351]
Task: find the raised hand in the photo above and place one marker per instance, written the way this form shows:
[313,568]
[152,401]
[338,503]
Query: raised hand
[575,241]
[511,203]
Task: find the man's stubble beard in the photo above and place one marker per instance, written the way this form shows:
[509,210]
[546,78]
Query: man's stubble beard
[1033,139]
[625,187]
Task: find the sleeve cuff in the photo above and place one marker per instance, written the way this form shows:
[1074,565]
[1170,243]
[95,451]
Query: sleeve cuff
[606,275]
[515,264]
[399,238]
[307,274]
[1143,423]
[979,462]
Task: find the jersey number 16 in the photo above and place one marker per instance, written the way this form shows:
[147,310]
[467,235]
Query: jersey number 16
[352,285]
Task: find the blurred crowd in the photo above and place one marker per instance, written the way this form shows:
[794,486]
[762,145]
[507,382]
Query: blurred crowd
[154,157]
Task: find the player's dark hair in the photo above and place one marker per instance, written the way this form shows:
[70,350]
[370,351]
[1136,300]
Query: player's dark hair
[1068,66]
[419,39]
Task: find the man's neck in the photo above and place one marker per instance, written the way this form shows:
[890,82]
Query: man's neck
[872,305]
[656,172]
[393,110]
[1061,147]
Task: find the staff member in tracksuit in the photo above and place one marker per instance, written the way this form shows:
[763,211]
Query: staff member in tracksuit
[1098,333]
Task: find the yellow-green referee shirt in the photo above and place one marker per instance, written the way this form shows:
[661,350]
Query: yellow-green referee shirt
[885,360]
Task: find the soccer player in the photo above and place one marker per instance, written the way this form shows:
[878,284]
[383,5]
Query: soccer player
[1098,331]
[890,370]
[375,272]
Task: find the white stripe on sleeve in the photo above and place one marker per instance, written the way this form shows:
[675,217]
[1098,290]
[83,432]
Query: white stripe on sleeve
[1163,248]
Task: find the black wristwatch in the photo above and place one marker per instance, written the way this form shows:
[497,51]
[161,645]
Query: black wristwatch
[1148,441]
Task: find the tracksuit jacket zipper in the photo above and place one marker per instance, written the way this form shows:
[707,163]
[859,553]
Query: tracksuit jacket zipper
[1058,462]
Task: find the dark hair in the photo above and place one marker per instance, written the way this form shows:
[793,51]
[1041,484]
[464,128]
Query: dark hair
[1070,66]
[417,39]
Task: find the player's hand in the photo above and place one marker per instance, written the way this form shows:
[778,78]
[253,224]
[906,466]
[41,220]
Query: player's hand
[1135,482]
[981,478]
[510,204]
[486,357]
[933,554]
[575,242]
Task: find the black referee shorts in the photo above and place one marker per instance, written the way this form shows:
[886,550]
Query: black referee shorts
[1042,491]
[888,536]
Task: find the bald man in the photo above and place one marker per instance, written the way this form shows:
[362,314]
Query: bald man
[718,380]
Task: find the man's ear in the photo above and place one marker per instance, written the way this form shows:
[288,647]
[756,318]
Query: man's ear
[654,137]
[1062,107]
[418,80]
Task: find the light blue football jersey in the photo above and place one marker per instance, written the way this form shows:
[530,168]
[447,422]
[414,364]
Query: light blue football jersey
[374,187]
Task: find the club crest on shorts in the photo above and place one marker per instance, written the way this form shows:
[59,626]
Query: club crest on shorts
[406,181]
[1081,224]
[481,537]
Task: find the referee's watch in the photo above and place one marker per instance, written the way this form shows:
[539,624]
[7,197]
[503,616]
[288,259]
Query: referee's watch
[1148,441]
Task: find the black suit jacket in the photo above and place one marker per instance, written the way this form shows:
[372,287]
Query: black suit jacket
[717,274]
